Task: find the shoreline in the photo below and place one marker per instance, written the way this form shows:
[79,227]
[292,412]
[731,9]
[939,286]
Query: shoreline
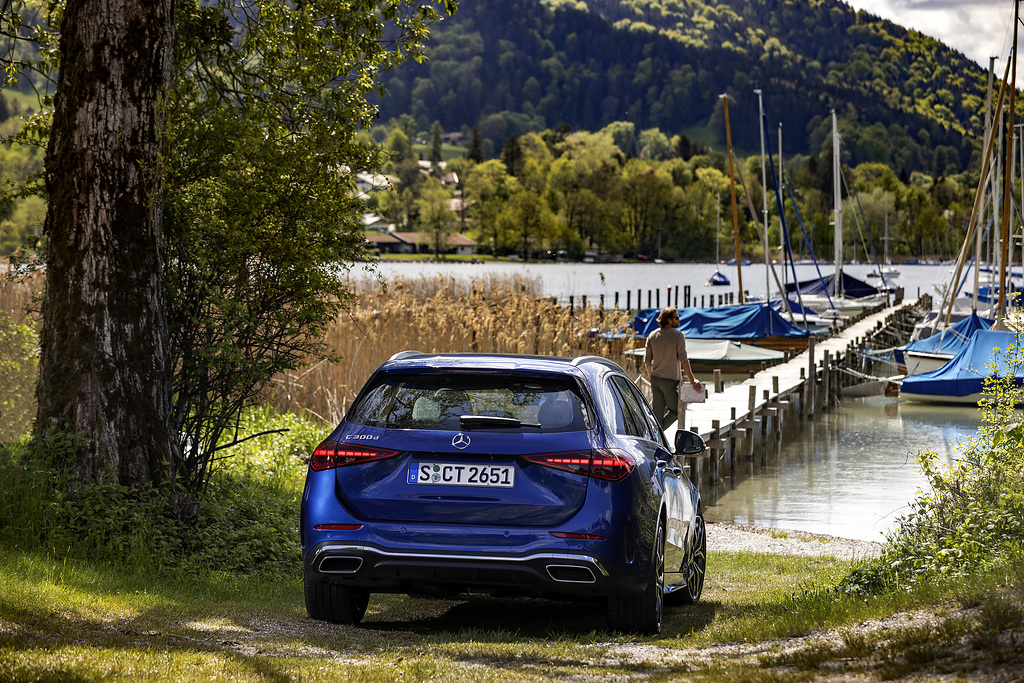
[725,537]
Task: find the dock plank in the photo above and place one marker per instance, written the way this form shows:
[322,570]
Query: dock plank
[719,406]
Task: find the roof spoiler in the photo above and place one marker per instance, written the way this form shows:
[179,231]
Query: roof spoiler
[405,354]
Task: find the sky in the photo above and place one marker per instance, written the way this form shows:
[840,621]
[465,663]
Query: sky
[978,28]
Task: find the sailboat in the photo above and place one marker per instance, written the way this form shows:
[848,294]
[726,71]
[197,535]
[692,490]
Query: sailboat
[931,353]
[717,278]
[886,271]
[840,294]
[988,353]
[993,352]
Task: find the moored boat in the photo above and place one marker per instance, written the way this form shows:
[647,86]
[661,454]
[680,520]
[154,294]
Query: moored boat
[708,355]
[931,353]
[989,353]
[755,324]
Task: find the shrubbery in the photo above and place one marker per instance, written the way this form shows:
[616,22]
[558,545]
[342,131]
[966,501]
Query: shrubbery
[972,516]
[245,522]
[18,350]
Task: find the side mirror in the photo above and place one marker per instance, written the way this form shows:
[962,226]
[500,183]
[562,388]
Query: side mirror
[688,443]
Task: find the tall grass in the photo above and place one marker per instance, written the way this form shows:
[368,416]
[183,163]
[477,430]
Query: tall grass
[486,314]
[441,315]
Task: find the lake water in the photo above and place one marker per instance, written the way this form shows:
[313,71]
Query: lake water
[593,280]
[850,473]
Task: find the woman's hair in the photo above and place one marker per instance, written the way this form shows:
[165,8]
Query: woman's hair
[666,315]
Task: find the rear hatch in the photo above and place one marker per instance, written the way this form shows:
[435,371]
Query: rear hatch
[467,449]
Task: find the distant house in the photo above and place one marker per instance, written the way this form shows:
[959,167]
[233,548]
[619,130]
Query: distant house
[372,221]
[445,176]
[387,243]
[423,243]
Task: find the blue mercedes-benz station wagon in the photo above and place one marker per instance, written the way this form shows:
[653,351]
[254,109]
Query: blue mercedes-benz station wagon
[520,475]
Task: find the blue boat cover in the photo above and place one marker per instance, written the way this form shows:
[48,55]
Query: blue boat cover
[965,373]
[738,323]
[954,339]
[717,279]
[852,287]
[776,303]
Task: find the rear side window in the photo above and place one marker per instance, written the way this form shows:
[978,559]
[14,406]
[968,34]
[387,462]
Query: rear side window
[636,419]
[437,401]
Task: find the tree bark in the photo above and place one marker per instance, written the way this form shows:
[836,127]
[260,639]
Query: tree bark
[105,375]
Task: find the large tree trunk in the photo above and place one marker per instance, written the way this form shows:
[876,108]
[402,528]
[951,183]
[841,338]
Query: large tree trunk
[105,375]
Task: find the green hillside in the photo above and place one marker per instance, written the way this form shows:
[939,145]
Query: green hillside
[512,66]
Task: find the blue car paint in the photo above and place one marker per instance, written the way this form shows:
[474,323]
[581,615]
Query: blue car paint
[623,515]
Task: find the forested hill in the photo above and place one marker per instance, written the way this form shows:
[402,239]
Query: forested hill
[509,66]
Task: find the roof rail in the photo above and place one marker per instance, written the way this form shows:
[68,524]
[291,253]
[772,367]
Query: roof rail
[580,360]
[405,354]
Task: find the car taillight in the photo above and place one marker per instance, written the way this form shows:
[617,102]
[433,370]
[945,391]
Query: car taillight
[577,462]
[331,454]
[610,465]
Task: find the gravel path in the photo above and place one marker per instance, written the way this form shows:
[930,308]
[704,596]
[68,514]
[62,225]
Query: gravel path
[732,538]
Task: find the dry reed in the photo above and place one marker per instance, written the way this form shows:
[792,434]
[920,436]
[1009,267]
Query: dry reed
[488,314]
[441,315]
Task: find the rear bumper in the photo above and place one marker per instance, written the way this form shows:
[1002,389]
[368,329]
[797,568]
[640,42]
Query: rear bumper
[392,570]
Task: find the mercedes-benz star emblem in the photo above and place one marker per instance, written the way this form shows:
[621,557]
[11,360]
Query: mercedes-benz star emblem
[460,441]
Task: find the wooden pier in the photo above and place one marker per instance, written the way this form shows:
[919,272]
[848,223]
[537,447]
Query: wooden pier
[747,415]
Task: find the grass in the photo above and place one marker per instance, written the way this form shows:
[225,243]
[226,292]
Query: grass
[81,621]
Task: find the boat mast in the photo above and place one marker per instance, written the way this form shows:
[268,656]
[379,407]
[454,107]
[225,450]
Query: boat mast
[782,237]
[1007,187]
[885,243]
[837,199]
[735,213]
[988,136]
[718,225]
[764,199]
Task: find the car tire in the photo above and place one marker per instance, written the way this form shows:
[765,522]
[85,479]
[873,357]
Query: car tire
[336,604]
[695,565]
[643,613]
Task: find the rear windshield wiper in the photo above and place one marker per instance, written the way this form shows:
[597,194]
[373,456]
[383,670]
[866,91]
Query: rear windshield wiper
[471,421]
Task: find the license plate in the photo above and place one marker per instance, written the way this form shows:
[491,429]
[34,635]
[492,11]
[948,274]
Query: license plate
[450,474]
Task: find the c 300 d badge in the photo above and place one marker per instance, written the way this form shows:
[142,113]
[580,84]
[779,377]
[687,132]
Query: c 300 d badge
[460,441]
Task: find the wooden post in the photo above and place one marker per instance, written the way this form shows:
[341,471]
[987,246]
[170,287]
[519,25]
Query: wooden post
[765,429]
[811,379]
[826,379]
[732,444]
[719,387]
[751,402]
[713,469]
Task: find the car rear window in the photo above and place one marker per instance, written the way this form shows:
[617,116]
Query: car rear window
[437,401]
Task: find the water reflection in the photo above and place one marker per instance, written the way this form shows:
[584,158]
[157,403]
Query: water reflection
[849,473]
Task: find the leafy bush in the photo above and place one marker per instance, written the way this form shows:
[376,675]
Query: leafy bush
[245,523]
[18,361]
[972,516]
